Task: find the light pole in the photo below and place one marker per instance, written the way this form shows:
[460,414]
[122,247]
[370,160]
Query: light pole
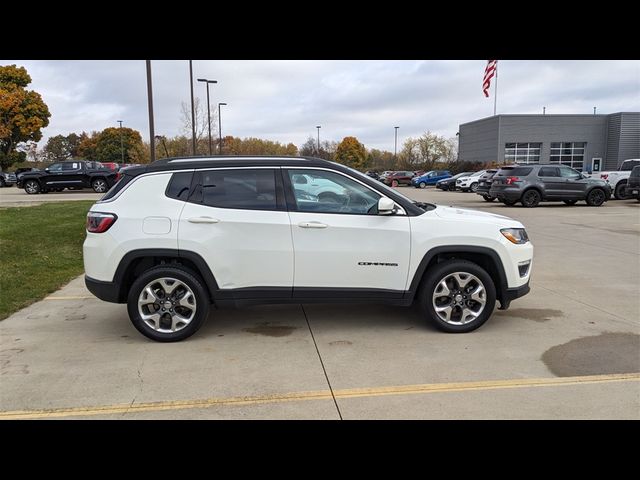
[395,148]
[318,148]
[458,151]
[220,129]
[152,142]
[121,142]
[161,138]
[208,109]
[193,112]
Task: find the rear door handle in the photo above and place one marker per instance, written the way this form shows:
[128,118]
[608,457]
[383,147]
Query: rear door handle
[312,225]
[203,220]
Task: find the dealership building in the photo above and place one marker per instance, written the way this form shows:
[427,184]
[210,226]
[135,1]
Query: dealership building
[585,142]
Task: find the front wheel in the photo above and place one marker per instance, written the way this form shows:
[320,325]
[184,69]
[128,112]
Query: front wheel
[31,187]
[423,185]
[167,304]
[596,197]
[457,296]
[99,185]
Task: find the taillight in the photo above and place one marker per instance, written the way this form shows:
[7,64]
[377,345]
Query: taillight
[512,180]
[98,222]
[604,176]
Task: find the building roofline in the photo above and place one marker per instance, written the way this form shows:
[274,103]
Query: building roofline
[547,115]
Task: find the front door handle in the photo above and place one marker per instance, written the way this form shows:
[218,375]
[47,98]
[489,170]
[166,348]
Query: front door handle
[203,220]
[312,225]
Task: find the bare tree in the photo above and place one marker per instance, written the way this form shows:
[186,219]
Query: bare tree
[202,125]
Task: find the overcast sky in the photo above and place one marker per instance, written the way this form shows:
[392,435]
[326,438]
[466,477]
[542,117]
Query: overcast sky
[285,100]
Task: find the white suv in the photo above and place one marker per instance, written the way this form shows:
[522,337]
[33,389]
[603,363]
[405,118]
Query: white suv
[470,183]
[171,238]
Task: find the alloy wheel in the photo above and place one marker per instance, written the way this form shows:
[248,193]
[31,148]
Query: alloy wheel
[167,305]
[459,298]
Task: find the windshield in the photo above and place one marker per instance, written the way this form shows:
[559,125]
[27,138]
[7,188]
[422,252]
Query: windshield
[382,186]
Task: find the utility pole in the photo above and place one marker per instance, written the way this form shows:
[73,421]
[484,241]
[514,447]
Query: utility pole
[152,137]
[121,142]
[193,111]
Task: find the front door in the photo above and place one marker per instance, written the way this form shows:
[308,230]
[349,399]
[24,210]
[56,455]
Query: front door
[236,219]
[70,176]
[340,241]
[574,184]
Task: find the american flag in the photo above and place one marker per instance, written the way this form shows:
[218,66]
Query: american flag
[489,72]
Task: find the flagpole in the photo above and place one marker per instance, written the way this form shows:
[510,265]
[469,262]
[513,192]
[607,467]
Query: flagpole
[495,91]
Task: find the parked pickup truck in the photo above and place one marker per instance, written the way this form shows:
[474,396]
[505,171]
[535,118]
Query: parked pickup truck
[73,175]
[618,178]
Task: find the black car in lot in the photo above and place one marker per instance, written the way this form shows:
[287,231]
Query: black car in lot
[633,184]
[450,183]
[73,174]
[532,184]
[484,185]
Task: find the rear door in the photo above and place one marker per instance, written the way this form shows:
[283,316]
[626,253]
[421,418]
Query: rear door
[553,184]
[236,219]
[71,175]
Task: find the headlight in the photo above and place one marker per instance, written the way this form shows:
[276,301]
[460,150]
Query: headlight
[515,235]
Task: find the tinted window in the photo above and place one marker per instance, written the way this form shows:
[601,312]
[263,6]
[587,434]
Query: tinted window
[120,184]
[241,189]
[627,166]
[514,171]
[179,185]
[56,167]
[70,166]
[548,172]
[635,172]
[330,192]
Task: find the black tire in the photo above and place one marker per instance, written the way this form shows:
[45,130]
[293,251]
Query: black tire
[440,271]
[620,190]
[422,185]
[570,202]
[488,198]
[474,187]
[530,198]
[2,183]
[189,278]
[444,188]
[596,197]
[99,185]
[508,203]
[32,187]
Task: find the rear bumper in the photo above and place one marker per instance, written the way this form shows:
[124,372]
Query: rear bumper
[632,191]
[510,294]
[511,194]
[107,291]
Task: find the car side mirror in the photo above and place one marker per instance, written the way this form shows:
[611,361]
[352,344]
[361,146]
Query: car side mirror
[386,206]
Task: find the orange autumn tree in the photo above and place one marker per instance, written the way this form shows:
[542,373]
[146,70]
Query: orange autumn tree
[23,114]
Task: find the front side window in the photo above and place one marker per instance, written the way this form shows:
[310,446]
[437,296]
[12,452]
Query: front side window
[567,172]
[570,154]
[528,152]
[330,192]
[240,189]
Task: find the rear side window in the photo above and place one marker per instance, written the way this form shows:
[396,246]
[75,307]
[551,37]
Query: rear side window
[120,184]
[179,186]
[241,189]
[548,172]
[514,171]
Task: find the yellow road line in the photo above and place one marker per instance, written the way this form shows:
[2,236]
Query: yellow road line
[318,395]
[78,297]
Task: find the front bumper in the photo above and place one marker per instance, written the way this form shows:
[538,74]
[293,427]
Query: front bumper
[510,294]
[107,291]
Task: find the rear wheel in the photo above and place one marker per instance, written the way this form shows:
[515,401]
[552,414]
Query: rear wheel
[530,199]
[488,198]
[570,202]
[422,185]
[168,304]
[596,197]
[32,187]
[457,296]
[99,185]
[620,191]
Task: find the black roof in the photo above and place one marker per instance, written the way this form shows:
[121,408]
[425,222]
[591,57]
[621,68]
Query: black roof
[180,163]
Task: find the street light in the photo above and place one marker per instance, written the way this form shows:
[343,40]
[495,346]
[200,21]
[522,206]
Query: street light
[395,148]
[318,149]
[208,109]
[220,130]
[152,142]
[121,142]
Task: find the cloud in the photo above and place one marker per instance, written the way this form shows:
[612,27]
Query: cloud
[285,100]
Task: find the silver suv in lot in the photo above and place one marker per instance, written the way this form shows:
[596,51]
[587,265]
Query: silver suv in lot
[532,184]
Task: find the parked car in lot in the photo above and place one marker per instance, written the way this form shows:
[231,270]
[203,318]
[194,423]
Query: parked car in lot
[532,184]
[450,183]
[633,184]
[7,179]
[73,174]
[430,178]
[173,237]
[470,183]
[618,178]
[395,179]
[113,166]
[22,170]
[484,185]
[373,175]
